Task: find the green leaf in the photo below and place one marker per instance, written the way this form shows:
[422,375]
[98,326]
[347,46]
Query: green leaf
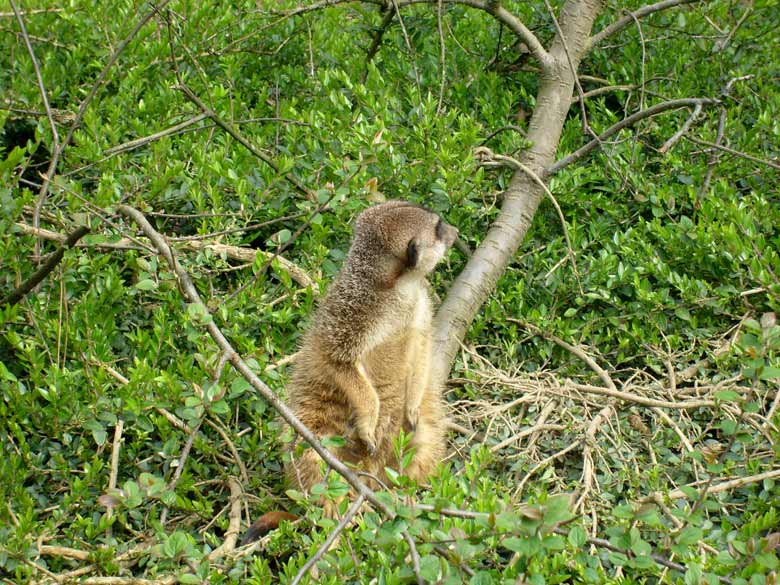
[769,373]
[728,396]
[577,537]
[430,567]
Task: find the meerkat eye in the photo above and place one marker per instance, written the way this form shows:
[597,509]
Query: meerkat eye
[440,230]
[412,254]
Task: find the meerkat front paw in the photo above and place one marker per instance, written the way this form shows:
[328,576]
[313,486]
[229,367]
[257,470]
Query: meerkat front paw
[366,427]
[412,415]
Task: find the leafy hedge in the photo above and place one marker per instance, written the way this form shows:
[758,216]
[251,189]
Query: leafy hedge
[665,274]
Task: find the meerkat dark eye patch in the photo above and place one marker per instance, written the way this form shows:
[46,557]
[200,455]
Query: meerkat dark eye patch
[412,254]
[440,230]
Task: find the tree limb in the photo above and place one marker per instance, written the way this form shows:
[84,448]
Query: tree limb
[190,95]
[622,23]
[502,15]
[43,271]
[44,190]
[625,123]
[334,534]
[521,199]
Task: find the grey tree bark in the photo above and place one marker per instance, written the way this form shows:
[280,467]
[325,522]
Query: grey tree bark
[522,197]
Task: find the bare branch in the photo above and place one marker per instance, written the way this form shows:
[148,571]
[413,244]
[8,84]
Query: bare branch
[233,252]
[504,16]
[739,153]
[230,129]
[681,132]
[720,487]
[38,76]
[44,190]
[376,41]
[130,145]
[234,524]
[44,270]
[627,397]
[579,352]
[488,155]
[625,123]
[334,534]
[622,23]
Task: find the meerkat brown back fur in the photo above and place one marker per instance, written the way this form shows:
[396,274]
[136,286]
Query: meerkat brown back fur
[363,372]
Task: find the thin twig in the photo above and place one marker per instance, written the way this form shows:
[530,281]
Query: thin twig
[38,77]
[486,155]
[230,129]
[234,523]
[51,262]
[334,534]
[133,144]
[223,433]
[622,23]
[376,41]
[627,397]
[588,473]
[626,122]
[408,48]
[681,132]
[725,486]
[501,14]
[442,56]
[415,557]
[579,352]
[44,190]
[115,448]
[769,163]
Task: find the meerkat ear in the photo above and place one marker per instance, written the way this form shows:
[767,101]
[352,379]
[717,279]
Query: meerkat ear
[412,254]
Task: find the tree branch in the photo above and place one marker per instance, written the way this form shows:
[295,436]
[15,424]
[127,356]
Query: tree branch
[334,534]
[44,270]
[625,123]
[44,190]
[502,15]
[38,76]
[190,95]
[521,199]
[622,23]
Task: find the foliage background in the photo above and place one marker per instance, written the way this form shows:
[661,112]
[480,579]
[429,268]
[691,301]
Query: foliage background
[666,273]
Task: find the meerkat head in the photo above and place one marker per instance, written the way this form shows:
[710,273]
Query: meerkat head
[402,238]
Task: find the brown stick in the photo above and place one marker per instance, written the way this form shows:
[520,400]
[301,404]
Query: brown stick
[346,519]
[625,123]
[44,270]
[631,17]
[190,95]
[44,190]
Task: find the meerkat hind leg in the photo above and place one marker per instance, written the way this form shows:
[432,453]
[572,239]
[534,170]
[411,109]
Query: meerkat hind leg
[418,358]
[362,397]
[429,449]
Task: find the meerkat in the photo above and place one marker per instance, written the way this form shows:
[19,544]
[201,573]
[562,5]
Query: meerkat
[363,371]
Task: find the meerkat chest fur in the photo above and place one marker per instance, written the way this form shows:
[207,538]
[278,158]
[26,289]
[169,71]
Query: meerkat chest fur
[410,309]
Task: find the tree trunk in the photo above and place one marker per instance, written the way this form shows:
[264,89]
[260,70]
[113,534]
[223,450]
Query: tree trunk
[521,199]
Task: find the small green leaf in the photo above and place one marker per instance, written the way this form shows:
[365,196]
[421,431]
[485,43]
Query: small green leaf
[769,373]
[577,537]
[430,568]
[727,396]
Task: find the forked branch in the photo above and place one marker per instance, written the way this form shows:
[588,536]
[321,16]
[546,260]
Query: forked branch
[631,17]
